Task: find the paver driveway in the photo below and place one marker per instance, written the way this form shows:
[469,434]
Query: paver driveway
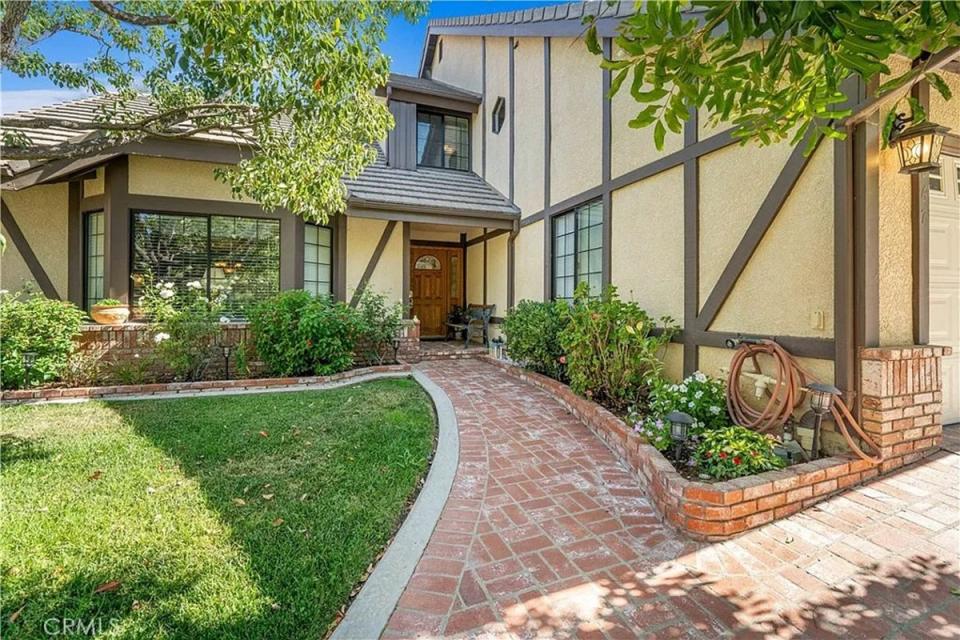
[546,535]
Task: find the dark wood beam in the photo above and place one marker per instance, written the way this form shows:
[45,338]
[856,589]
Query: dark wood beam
[920,236]
[373,262]
[23,247]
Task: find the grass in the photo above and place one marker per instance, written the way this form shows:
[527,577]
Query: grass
[222,517]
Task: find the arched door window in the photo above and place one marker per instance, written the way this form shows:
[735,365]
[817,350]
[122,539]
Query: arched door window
[427,263]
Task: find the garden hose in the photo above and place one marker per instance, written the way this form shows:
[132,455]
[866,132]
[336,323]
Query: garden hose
[791,380]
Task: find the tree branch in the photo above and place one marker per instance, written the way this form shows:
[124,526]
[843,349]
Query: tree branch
[14,14]
[110,8]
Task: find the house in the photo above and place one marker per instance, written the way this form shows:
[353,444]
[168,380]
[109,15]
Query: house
[510,175]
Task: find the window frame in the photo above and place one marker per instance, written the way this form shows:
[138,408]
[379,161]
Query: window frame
[333,260]
[208,217]
[938,175]
[444,113]
[578,276]
[87,216]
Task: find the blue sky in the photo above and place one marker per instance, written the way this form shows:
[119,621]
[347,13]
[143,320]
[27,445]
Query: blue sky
[403,45]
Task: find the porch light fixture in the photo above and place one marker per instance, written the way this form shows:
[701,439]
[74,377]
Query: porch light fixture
[918,146]
[821,401]
[29,360]
[679,429]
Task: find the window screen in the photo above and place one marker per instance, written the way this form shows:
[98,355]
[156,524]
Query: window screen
[238,258]
[443,141]
[578,250]
[318,260]
[93,259]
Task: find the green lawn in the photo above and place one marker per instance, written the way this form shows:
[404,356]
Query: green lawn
[224,517]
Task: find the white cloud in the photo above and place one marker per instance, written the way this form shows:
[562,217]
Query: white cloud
[19,100]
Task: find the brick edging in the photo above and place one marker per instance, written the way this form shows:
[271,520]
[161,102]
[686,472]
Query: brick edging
[26,396]
[707,511]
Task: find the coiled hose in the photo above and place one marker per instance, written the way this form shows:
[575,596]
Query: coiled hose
[791,379]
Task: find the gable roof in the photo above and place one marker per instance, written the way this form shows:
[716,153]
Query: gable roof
[555,20]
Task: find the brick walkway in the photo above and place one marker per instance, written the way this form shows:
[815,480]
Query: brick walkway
[545,535]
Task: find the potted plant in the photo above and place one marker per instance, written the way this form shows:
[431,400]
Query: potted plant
[110,311]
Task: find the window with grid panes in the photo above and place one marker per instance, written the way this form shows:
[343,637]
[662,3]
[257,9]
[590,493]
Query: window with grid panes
[318,260]
[578,250]
[93,259]
[443,141]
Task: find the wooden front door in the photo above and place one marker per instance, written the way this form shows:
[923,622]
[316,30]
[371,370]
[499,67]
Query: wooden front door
[436,277]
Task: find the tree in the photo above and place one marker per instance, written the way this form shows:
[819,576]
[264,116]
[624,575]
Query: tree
[294,81]
[774,69]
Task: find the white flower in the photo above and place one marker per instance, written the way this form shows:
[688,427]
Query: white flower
[698,395]
[160,337]
[714,409]
[700,376]
[168,285]
[166,294]
[224,319]
[691,404]
[682,388]
[195,284]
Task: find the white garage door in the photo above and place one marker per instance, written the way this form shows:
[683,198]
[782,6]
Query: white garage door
[945,277]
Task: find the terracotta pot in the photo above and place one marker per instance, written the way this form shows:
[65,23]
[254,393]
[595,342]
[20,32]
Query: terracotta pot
[110,314]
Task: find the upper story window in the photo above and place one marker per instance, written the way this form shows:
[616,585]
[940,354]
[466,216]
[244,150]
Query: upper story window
[578,250]
[443,140]
[499,114]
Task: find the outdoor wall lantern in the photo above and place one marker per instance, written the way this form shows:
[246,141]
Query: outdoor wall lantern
[821,401]
[29,360]
[679,429]
[919,146]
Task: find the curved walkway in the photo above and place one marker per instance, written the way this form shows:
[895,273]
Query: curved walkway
[546,535]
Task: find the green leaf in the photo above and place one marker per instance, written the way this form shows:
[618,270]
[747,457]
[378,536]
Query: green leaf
[938,83]
[650,96]
[659,133]
[593,44]
[616,82]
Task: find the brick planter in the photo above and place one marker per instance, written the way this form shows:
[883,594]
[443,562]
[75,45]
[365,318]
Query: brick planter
[25,396]
[721,510]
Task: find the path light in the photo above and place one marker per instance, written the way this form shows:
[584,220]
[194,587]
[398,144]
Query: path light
[395,343]
[919,146]
[679,429]
[225,349]
[821,401]
[29,360]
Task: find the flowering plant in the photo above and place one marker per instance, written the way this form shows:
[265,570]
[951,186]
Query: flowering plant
[702,397]
[735,451]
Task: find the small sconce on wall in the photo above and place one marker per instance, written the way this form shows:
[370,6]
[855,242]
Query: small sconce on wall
[918,146]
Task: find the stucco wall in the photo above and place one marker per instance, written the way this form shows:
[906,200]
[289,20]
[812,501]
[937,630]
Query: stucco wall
[362,238]
[498,84]
[528,263]
[475,274]
[790,277]
[528,113]
[576,83]
[461,67]
[94,186]
[41,213]
[733,183]
[895,265]
[177,178]
[946,112]
[647,243]
[497,273]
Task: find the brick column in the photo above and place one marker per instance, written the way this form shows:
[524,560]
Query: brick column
[901,401]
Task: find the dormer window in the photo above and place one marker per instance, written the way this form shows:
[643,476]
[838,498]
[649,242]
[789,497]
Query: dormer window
[443,140]
[499,114]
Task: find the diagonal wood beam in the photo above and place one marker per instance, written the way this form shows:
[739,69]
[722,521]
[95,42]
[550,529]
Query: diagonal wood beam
[26,252]
[751,239]
[374,260]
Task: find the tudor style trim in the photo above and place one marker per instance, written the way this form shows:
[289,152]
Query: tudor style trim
[606,163]
[920,236]
[544,214]
[373,262]
[117,239]
[405,277]
[769,209]
[340,257]
[691,246]
[15,233]
[75,243]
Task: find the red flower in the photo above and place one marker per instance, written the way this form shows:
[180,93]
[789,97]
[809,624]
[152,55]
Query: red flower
[736,460]
[563,359]
[709,454]
[309,343]
[723,455]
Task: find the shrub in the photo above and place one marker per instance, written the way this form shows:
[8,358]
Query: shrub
[297,334]
[735,451]
[612,351]
[33,323]
[702,397]
[533,331]
[380,323]
[186,326]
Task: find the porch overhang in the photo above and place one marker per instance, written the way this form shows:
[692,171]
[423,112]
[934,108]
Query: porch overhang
[432,215]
